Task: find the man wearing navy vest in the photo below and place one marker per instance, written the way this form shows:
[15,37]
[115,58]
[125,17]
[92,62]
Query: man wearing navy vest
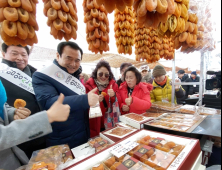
[18,85]
[63,77]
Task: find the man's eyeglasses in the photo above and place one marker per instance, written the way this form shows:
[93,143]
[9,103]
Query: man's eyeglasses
[106,75]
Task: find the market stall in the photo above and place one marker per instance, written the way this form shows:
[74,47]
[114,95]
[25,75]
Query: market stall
[156,29]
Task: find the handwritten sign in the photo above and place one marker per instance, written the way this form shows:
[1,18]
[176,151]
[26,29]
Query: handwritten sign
[123,148]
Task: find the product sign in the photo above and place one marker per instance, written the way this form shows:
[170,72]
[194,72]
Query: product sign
[123,148]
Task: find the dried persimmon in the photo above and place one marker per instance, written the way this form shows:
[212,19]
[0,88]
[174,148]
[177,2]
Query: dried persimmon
[19,103]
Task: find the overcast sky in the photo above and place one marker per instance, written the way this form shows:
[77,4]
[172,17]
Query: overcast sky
[47,41]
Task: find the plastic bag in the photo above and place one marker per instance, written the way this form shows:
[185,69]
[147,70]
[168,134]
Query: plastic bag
[95,111]
[208,146]
[50,158]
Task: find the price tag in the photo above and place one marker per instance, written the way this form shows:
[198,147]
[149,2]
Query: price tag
[123,148]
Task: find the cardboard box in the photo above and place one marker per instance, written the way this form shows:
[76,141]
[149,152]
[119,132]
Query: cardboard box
[134,123]
[185,161]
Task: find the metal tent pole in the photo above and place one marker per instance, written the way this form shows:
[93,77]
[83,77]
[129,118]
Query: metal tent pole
[201,79]
[173,80]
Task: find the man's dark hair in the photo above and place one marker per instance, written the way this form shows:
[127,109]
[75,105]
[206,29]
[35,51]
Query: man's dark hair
[5,47]
[100,65]
[123,65]
[137,73]
[73,45]
[181,72]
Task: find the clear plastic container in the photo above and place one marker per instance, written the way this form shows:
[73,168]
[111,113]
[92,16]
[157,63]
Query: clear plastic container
[160,160]
[120,131]
[188,109]
[99,167]
[127,163]
[98,143]
[166,106]
[152,115]
[136,117]
[50,158]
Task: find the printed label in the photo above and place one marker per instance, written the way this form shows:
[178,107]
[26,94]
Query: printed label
[143,150]
[129,163]
[156,142]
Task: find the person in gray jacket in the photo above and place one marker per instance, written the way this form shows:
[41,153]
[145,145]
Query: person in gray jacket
[146,74]
[14,132]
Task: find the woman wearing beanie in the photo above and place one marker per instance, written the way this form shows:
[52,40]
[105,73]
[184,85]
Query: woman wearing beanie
[163,86]
[135,94]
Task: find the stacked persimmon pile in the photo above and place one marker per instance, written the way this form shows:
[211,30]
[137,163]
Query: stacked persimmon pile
[18,22]
[124,30]
[97,26]
[62,18]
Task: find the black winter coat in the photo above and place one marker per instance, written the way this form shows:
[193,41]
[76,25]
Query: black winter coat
[195,88]
[188,89]
[75,131]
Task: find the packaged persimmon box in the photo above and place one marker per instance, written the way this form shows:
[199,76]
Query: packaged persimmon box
[170,152]
[126,162]
[99,143]
[143,152]
[118,133]
[135,120]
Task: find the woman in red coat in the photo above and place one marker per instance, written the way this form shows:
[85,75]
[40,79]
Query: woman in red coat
[103,79]
[135,95]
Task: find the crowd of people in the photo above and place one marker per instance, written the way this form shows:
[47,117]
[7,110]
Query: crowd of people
[59,98]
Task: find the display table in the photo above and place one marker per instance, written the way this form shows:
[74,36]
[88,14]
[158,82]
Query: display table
[189,158]
[211,126]
[192,101]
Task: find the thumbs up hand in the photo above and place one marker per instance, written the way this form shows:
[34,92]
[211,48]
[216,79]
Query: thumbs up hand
[93,98]
[111,92]
[129,100]
[58,112]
